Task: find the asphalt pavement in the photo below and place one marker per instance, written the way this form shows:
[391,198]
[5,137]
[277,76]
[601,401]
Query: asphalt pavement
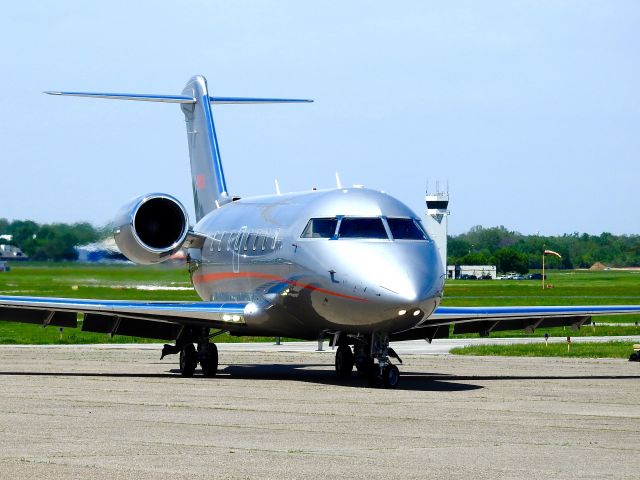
[121,413]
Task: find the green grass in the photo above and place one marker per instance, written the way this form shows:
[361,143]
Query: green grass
[120,281]
[577,350]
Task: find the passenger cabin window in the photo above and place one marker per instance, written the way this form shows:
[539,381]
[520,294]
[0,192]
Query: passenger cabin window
[405,229]
[362,228]
[232,240]
[320,228]
[223,238]
[256,240]
[249,239]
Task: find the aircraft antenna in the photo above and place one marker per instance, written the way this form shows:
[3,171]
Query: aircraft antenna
[338,182]
[277,187]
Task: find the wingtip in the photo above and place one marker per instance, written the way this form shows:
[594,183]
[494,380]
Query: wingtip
[49,92]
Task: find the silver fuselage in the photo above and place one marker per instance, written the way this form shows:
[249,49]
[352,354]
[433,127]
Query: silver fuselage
[305,287]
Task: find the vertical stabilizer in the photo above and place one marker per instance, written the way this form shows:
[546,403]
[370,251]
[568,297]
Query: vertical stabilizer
[207,176]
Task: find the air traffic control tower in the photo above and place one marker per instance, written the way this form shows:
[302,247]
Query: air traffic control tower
[437,218]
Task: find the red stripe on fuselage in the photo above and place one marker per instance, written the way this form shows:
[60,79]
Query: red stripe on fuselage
[216,277]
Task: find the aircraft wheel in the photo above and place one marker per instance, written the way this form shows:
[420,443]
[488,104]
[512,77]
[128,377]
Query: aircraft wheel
[634,357]
[188,360]
[210,363]
[364,367]
[375,377]
[391,376]
[344,361]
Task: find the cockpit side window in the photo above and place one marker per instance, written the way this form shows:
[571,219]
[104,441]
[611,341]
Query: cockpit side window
[320,228]
[362,228]
[405,229]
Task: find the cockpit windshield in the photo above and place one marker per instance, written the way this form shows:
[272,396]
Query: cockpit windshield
[365,228]
[320,228]
[405,229]
[362,228]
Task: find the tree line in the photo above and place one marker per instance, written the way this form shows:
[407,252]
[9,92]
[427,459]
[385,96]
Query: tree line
[508,250]
[513,251]
[52,242]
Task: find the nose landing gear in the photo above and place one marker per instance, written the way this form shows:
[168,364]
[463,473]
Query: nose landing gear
[382,374]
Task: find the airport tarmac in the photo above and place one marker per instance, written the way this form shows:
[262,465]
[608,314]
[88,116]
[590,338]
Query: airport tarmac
[85,412]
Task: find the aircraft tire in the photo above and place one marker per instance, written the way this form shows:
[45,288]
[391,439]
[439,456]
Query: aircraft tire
[634,357]
[391,376]
[364,367]
[188,360]
[210,364]
[344,361]
[375,377]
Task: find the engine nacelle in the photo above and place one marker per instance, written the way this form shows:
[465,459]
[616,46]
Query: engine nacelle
[151,228]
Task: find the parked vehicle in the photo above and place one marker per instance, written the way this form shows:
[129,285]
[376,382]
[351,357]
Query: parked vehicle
[535,276]
[511,276]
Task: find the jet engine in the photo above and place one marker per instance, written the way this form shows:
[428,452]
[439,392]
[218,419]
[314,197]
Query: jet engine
[151,228]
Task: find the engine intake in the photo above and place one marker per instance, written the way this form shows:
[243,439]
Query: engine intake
[151,228]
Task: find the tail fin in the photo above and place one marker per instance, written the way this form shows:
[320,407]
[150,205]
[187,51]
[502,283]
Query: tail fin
[207,176]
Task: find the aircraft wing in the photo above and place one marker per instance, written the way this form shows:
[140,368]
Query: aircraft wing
[161,320]
[483,320]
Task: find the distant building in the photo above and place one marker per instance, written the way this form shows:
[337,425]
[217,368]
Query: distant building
[104,251]
[457,272]
[11,252]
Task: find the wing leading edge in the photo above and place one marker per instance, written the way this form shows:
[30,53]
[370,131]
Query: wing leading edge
[162,320]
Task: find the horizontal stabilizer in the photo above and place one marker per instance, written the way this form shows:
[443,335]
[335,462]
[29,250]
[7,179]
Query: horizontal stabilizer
[207,176]
[130,96]
[257,100]
[184,99]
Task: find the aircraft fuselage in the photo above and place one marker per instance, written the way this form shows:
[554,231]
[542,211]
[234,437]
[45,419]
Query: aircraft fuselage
[257,250]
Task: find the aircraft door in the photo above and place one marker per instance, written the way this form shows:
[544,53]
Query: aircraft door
[237,246]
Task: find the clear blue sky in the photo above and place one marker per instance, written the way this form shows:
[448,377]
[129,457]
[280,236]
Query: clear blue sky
[530,110]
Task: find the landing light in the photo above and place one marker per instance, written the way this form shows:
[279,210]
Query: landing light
[236,318]
[250,309]
[416,313]
[226,317]
[401,312]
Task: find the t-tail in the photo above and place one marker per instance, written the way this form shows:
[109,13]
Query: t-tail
[207,175]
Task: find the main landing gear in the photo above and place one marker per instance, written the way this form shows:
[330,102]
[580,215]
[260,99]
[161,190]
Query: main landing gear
[206,354]
[382,374]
